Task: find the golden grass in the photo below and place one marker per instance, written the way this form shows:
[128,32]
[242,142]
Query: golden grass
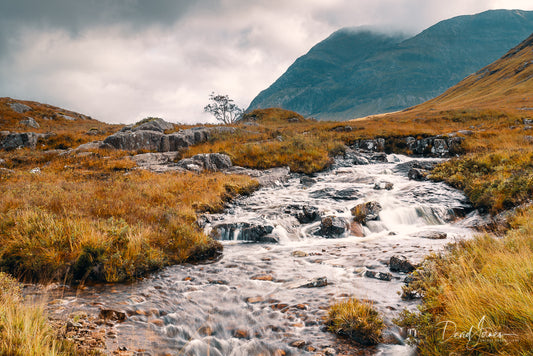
[93,217]
[24,329]
[484,286]
[356,320]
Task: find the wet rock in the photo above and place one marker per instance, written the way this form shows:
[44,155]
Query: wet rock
[366,211]
[345,194]
[298,344]
[263,277]
[19,107]
[253,300]
[417,174]
[305,214]
[432,235]
[332,226]
[383,185]
[371,145]
[241,334]
[307,181]
[329,351]
[113,315]
[299,254]
[212,162]
[244,231]
[356,229]
[30,122]
[384,276]
[314,283]
[379,157]
[360,160]
[400,264]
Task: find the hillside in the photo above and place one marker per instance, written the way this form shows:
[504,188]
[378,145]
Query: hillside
[354,72]
[61,128]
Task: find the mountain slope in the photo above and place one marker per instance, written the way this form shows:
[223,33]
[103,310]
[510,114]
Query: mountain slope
[355,73]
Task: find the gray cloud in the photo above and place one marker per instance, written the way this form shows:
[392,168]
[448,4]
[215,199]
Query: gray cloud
[121,60]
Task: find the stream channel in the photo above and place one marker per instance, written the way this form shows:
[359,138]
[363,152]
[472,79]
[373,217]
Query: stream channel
[253,300]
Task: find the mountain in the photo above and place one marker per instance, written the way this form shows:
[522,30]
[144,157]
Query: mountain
[358,72]
[506,85]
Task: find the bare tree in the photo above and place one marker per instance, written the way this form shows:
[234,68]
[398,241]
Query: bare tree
[223,108]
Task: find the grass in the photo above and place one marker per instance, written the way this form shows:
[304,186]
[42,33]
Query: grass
[93,217]
[24,329]
[356,320]
[484,286]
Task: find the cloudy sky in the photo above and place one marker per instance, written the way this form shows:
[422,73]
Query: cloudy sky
[122,60]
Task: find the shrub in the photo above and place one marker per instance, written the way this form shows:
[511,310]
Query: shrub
[356,320]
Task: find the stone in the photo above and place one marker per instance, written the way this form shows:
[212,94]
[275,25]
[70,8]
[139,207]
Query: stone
[384,276]
[400,264]
[379,157]
[67,117]
[212,162]
[263,277]
[417,174]
[153,124]
[36,170]
[113,315]
[298,253]
[383,185]
[432,235]
[14,140]
[298,344]
[366,211]
[30,122]
[360,160]
[315,283]
[307,181]
[332,226]
[244,231]
[253,300]
[241,334]
[19,108]
[305,214]
[356,229]
[94,145]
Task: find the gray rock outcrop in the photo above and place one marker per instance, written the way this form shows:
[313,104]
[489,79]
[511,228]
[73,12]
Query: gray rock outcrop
[30,122]
[244,231]
[13,140]
[332,226]
[19,108]
[213,162]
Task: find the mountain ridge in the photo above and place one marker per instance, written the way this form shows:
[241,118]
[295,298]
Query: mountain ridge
[392,72]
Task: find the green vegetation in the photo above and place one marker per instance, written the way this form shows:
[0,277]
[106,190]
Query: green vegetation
[356,320]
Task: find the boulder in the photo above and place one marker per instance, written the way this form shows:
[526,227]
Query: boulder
[305,214]
[67,117]
[19,108]
[30,122]
[383,185]
[206,161]
[153,124]
[400,264]
[138,140]
[94,145]
[243,231]
[313,283]
[366,211]
[16,140]
[417,174]
[332,226]
[432,235]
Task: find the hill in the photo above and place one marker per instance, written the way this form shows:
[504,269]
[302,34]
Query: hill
[357,72]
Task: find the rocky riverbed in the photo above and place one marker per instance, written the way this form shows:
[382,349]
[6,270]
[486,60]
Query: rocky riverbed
[290,250]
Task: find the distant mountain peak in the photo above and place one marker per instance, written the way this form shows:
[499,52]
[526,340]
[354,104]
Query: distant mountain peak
[361,71]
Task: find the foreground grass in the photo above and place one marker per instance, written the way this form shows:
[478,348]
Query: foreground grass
[24,330]
[478,298]
[356,320]
[93,217]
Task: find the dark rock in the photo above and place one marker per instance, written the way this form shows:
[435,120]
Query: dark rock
[332,226]
[15,140]
[244,231]
[314,283]
[400,264]
[19,108]
[305,214]
[379,157]
[307,181]
[360,160]
[298,344]
[139,140]
[384,276]
[345,194]
[30,122]
[366,211]
[417,174]
[113,315]
[383,185]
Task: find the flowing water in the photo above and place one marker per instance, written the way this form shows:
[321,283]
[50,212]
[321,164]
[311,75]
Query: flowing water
[252,302]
